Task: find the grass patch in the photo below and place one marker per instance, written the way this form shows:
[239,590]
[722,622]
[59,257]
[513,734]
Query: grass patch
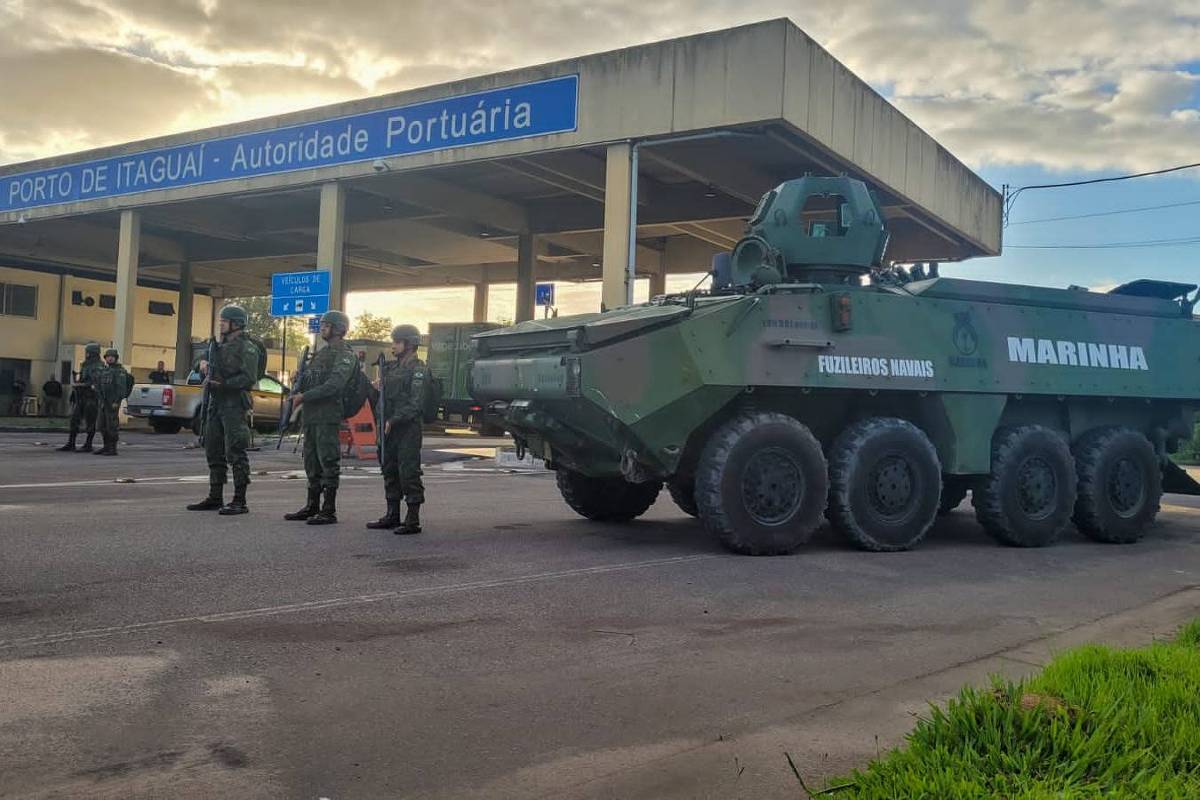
[1097,722]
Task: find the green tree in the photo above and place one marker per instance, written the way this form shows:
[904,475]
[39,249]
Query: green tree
[368,326]
[268,328]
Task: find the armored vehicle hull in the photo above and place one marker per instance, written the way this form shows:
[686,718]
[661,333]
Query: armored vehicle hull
[875,405]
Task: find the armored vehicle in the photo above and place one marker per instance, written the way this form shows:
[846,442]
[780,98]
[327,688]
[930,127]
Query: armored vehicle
[815,379]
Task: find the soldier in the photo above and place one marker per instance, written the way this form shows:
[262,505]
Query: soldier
[113,384]
[159,374]
[320,398]
[84,408]
[403,384]
[232,374]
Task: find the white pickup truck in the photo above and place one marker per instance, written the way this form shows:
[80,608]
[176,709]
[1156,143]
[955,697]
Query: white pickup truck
[171,407]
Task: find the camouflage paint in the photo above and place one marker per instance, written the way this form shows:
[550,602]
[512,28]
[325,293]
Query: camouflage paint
[649,387]
[635,391]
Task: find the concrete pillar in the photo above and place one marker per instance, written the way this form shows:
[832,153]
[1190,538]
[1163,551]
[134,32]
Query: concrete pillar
[480,313]
[620,202]
[214,312]
[127,275]
[658,283]
[526,281]
[331,241]
[183,323]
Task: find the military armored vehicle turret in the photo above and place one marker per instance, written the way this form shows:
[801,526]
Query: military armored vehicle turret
[816,379]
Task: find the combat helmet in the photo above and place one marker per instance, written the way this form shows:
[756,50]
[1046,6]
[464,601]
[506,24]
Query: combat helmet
[92,348]
[406,333]
[336,320]
[112,351]
[235,314]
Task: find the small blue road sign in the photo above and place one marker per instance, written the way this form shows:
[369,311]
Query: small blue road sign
[544,294]
[314,324]
[299,294]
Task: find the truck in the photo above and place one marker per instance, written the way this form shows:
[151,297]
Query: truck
[817,381]
[169,408]
[449,360]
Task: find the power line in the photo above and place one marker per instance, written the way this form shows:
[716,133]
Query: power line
[1190,240]
[1107,213]
[1012,196]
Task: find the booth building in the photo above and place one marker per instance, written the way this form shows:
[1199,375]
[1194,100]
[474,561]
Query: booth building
[636,163]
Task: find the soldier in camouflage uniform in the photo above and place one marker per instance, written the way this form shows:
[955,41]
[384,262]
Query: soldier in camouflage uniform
[320,400]
[226,430]
[403,383]
[113,384]
[84,409]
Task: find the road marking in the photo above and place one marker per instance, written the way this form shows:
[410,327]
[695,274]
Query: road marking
[161,479]
[342,602]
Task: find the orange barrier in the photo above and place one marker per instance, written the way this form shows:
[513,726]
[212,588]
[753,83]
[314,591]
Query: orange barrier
[359,434]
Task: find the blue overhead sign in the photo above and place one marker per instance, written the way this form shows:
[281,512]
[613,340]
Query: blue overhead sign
[513,112]
[295,294]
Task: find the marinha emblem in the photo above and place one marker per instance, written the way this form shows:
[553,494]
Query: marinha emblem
[966,340]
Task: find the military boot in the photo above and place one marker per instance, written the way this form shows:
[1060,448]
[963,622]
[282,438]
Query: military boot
[238,504]
[389,520]
[214,500]
[310,508]
[328,513]
[412,521]
[109,448]
[87,443]
[69,447]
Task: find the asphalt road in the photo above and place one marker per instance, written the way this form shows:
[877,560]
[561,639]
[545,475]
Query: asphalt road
[512,650]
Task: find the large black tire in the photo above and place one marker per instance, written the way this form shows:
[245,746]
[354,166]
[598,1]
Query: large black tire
[197,424]
[1120,485]
[954,491]
[1028,498]
[684,495]
[605,499]
[885,484]
[166,425]
[762,484]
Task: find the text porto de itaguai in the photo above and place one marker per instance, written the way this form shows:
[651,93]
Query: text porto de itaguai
[513,112]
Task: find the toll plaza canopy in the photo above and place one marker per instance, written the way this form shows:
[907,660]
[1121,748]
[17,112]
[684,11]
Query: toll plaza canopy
[532,174]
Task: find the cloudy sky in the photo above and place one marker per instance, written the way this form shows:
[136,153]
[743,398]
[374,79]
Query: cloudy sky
[1022,91]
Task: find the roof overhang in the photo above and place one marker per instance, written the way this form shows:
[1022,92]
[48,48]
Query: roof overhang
[720,118]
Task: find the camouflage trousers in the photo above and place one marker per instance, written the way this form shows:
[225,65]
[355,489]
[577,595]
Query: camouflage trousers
[83,412]
[322,455]
[402,464]
[109,419]
[226,437]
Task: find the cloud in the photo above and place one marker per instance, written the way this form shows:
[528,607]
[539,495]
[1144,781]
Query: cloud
[111,98]
[1064,84]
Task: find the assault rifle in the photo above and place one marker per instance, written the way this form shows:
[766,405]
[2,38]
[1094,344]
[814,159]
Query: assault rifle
[289,407]
[206,399]
[379,411]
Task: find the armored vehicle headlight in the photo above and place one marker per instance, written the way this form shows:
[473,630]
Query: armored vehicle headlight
[574,372]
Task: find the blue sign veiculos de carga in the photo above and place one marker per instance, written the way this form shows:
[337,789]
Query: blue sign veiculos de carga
[295,294]
[513,112]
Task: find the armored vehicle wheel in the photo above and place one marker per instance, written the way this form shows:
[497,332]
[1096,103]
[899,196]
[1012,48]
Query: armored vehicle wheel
[885,482]
[605,499]
[1120,485]
[684,495]
[761,484]
[954,491]
[1027,499]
